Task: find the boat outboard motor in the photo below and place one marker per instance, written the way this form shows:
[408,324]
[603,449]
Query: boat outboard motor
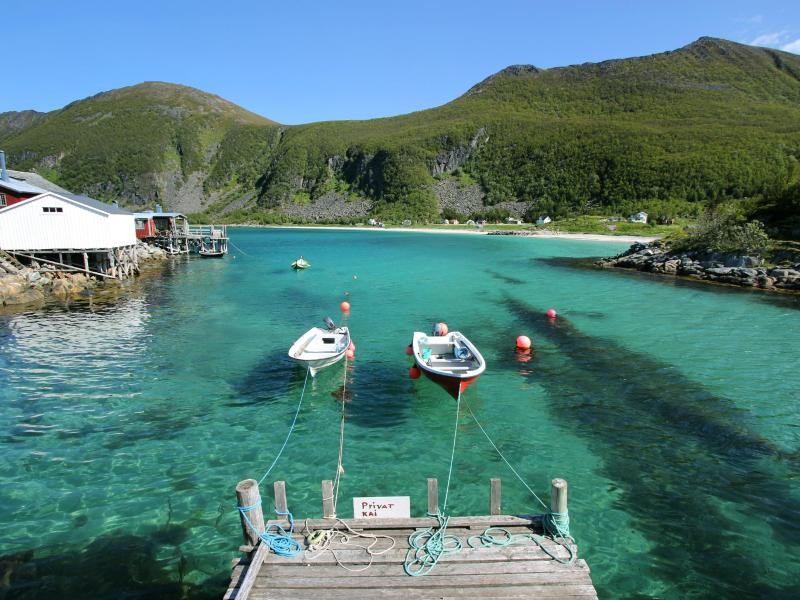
[329,323]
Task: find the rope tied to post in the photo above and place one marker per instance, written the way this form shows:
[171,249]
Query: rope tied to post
[276,537]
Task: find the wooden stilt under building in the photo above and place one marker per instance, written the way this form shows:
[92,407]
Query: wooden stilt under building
[345,569]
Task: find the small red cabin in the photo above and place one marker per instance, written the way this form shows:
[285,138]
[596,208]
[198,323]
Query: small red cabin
[145,226]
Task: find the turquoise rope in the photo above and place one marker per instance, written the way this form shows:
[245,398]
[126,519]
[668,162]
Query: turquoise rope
[427,546]
[291,429]
[556,525]
[274,536]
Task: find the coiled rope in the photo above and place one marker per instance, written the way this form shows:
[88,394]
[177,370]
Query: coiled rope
[276,537]
[320,541]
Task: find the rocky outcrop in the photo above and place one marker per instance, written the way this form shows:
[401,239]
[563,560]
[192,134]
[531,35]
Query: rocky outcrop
[731,269]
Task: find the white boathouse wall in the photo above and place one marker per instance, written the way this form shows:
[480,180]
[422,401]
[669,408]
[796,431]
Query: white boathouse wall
[51,222]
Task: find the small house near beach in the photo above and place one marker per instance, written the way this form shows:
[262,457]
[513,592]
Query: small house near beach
[70,233]
[640,217]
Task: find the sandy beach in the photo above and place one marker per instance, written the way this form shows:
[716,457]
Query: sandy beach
[589,237]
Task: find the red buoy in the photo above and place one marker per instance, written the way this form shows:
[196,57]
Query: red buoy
[523,342]
[440,329]
[352,346]
[409,350]
[551,313]
[414,372]
[350,354]
[345,306]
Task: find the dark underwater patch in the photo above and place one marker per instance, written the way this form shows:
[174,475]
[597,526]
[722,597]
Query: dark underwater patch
[679,454]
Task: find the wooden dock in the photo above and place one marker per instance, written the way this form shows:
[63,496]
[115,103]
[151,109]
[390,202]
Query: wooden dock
[345,569]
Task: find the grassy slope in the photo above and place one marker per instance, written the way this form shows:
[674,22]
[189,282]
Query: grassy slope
[711,121]
[117,140]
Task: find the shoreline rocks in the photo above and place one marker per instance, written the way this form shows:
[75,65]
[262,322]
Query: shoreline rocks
[743,271]
[22,285]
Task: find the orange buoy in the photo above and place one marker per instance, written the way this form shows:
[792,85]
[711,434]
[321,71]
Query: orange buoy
[350,354]
[523,342]
[551,313]
[345,306]
[414,372]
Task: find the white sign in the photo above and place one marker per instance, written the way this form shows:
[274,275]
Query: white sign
[374,507]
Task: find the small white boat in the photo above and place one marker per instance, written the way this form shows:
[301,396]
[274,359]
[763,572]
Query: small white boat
[450,360]
[318,348]
[300,263]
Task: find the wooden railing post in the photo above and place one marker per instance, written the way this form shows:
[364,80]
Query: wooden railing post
[247,495]
[433,495]
[558,496]
[328,508]
[495,491]
[280,497]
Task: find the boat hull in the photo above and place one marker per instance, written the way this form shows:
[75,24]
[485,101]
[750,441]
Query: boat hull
[451,360]
[318,348]
[452,385]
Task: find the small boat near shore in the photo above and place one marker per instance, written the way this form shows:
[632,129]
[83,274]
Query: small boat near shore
[211,253]
[450,360]
[300,263]
[318,348]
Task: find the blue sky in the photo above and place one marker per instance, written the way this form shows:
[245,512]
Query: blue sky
[301,61]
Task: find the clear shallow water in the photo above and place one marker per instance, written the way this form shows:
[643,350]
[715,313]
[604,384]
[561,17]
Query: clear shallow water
[671,409]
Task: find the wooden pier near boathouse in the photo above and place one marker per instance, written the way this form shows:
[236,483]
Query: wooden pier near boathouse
[344,568]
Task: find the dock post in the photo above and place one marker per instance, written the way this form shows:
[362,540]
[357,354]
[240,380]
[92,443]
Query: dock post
[433,495]
[328,509]
[247,495]
[494,496]
[280,497]
[558,495]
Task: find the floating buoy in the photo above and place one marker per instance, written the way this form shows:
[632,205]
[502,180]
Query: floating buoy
[414,372]
[551,313]
[350,354]
[440,329]
[523,342]
[409,350]
[345,306]
[352,346]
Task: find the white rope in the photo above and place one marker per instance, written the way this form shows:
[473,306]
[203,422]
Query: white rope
[320,541]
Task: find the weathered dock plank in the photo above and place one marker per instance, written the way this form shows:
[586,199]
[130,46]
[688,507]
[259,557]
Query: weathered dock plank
[345,569]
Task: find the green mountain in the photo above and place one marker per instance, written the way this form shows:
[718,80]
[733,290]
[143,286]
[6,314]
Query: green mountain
[710,122]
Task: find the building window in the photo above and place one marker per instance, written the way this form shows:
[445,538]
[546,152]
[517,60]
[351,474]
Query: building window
[2,199]
[52,209]
[139,224]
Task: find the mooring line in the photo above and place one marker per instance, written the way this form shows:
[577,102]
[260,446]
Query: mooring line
[291,429]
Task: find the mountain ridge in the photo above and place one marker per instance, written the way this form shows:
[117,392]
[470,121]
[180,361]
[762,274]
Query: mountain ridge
[706,122]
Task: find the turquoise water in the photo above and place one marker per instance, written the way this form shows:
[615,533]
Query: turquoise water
[671,409]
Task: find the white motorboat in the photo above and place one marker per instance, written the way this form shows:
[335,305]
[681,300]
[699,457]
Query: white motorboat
[318,348]
[450,360]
